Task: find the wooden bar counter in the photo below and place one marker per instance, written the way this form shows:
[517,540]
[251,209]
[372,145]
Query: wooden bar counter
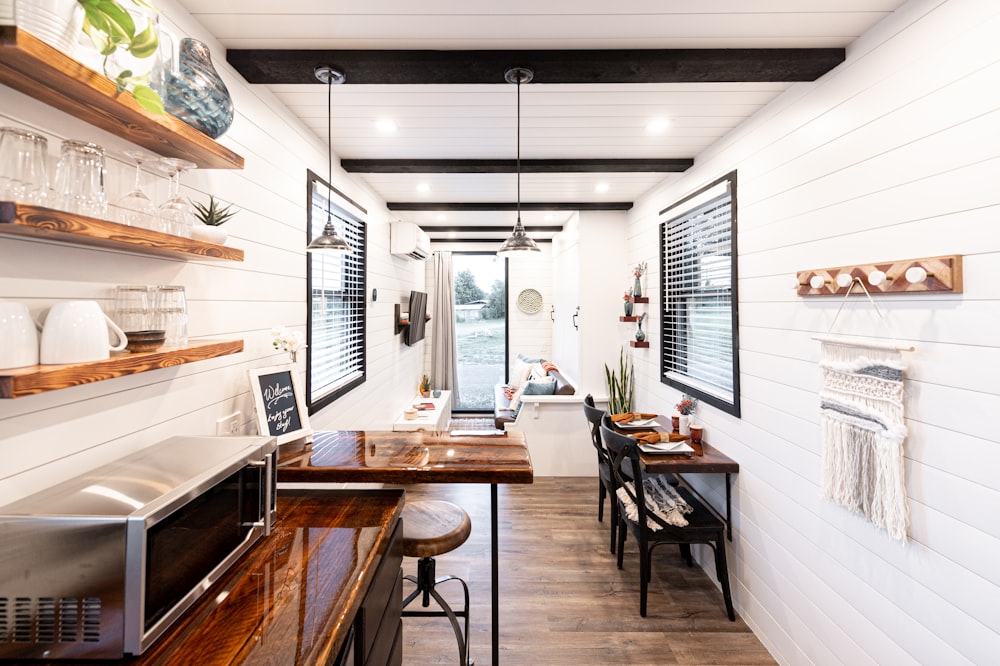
[293,598]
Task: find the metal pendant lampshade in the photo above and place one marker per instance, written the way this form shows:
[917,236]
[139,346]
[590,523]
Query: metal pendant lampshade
[519,240]
[329,241]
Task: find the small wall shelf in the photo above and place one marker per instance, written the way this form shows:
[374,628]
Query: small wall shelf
[931,274]
[639,299]
[34,379]
[402,324]
[19,219]
[50,76]
[637,344]
[632,318]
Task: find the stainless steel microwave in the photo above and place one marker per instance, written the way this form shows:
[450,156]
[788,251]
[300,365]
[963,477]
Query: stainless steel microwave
[100,566]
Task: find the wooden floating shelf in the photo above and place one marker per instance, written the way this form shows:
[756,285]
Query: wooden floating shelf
[18,219]
[943,274]
[637,344]
[628,318]
[49,75]
[639,299]
[34,379]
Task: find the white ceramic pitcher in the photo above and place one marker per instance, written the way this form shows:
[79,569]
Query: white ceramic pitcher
[18,336]
[77,332]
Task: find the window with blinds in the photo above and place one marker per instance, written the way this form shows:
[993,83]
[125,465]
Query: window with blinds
[336,287]
[699,327]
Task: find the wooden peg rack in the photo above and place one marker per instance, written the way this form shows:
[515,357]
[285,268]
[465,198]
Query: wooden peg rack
[944,274]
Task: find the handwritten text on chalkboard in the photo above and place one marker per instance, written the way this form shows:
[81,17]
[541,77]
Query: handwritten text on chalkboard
[280,407]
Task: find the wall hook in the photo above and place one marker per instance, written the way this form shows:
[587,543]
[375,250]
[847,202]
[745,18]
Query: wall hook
[552,313]
[575,325]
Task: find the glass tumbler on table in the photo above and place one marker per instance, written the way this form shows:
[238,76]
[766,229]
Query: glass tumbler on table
[23,175]
[170,314]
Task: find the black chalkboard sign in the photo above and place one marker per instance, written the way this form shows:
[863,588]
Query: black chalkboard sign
[279,403]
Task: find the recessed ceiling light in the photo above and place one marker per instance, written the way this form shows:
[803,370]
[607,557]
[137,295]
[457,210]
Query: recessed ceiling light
[601,187]
[386,125]
[548,217]
[442,217]
[452,234]
[657,125]
[423,188]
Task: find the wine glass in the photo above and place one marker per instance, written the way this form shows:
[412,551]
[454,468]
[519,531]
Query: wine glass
[136,209]
[175,214]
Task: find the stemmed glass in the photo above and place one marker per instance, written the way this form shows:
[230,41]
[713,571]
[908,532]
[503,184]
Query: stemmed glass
[136,209]
[176,215]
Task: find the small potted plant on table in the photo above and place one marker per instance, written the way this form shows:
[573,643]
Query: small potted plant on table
[425,387]
[212,217]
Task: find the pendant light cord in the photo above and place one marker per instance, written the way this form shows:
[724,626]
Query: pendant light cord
[329,144]
[519,148]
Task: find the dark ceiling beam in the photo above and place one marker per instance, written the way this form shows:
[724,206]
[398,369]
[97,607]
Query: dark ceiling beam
[498,239]
[542,229]
[503,206]
[555,66]
[527,166]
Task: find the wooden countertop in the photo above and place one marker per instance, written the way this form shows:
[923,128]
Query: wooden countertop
[405,457]
[292,598]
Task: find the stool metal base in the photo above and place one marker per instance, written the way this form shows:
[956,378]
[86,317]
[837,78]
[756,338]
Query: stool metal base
[426,584]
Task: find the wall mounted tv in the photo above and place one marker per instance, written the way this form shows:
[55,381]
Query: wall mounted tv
[414,333]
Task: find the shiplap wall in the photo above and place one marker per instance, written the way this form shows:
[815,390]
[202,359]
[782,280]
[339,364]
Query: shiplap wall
[52,436]
[892,155]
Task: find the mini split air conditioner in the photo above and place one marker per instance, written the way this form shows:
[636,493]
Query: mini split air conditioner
[408,240]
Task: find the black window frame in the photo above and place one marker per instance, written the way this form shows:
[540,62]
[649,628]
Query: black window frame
[673,336]
[353,227]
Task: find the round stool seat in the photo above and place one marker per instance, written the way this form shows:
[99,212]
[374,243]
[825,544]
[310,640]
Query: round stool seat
[433,527]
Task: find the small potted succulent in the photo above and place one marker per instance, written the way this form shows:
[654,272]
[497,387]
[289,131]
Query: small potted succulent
[425,387]
[212,217]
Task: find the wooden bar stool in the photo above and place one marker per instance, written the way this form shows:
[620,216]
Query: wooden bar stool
[433,528]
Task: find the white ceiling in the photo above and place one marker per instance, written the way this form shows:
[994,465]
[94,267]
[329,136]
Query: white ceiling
[557,121]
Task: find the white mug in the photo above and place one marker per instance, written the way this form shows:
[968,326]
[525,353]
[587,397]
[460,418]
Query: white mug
[18,336]
[77,332]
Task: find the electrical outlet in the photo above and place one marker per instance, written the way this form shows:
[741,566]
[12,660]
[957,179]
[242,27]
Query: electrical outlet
[228,425]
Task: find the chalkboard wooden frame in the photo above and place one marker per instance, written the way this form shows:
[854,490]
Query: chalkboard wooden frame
[286,379]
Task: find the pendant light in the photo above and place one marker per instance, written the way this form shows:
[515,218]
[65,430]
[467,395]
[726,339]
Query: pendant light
[329,241]
[519,240]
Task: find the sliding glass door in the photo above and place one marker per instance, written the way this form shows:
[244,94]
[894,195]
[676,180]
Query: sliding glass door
[480,281]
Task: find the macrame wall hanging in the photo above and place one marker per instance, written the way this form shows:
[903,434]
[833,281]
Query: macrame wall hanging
[861,408]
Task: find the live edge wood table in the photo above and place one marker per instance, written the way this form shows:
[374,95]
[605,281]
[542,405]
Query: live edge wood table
[414,457]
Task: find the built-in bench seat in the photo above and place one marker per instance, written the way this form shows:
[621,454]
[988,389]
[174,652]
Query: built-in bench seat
[554,427]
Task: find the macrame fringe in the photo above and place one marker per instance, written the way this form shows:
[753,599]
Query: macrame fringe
[661,499]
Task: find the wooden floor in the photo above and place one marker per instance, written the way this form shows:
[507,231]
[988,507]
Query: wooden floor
[562,599]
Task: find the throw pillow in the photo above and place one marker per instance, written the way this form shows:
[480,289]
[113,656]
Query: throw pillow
[519,374]
[545,386]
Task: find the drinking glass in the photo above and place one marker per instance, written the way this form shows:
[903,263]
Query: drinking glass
[170,314]
[80,179]
[175,214]
[132,312]
[23,175]
[136,209]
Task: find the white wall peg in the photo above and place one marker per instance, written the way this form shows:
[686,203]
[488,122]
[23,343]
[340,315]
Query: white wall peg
[844,280]
[816,281]
[876,277]
[915,274]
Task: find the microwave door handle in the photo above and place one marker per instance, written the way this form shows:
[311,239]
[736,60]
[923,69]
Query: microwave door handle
[263,511]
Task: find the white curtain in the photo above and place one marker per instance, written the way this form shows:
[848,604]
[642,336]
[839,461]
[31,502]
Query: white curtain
[444,363]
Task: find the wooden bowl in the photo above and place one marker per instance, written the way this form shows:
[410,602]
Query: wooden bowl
[145,341]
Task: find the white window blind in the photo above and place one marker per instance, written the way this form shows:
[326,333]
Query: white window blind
[699,316]
[337,304]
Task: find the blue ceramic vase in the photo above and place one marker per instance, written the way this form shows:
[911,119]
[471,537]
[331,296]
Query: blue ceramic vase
[196,93]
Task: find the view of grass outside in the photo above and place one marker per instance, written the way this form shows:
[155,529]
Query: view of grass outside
[480,328]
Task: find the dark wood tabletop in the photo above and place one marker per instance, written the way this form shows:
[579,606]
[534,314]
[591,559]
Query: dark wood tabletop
[405,457]
[712,461]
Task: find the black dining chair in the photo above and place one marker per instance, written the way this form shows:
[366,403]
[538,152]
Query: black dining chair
[703,525]
[606,482]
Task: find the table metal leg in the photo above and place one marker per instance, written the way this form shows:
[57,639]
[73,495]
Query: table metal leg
[495,586]
[729,509]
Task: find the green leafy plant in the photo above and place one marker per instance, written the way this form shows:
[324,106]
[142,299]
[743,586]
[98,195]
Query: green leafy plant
[111,28]
[425,384]
[213,214]
[621,385]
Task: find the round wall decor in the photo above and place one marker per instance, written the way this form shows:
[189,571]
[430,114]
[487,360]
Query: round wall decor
[529,301]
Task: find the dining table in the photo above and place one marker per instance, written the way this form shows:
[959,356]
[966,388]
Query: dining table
[706,459]
[368,456]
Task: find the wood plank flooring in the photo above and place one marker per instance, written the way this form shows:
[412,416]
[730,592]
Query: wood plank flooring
[562,599]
